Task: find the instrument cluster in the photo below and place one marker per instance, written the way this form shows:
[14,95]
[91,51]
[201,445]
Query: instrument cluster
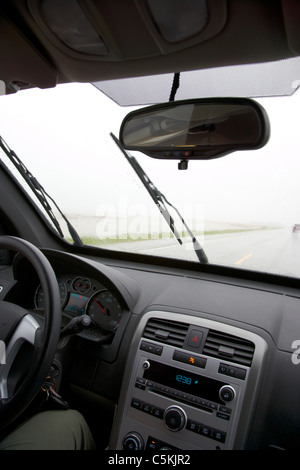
[85,296]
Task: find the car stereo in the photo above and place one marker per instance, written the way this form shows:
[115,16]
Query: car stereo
[178,397]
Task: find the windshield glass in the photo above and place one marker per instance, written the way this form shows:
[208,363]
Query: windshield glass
[243,208]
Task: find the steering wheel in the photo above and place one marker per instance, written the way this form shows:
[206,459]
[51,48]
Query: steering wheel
[18,328]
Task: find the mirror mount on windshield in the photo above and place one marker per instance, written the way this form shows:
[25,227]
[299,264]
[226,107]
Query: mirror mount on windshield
[183,165]
[200,129]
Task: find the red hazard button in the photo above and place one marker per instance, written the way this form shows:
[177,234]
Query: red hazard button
[195,338]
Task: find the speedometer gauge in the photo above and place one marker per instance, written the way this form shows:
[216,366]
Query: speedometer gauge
[105,310]
[39,299]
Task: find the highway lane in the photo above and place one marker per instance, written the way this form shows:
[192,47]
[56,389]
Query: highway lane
[271,250]
[274,251]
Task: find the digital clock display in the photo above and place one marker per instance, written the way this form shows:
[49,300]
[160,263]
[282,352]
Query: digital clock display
[184,379]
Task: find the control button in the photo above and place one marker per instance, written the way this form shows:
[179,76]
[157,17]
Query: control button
[195,338]
[146,408]
[189,359]
[227,393]
[205,430]
[218,435]
[157,412]
[133,441]
[222,369]
[141,380]
[135,403]
[225,409]
[213,406]
[223,416]
[146,364]
[232,371]
[155,444]
[175,418]
[144,346]
[151,348]
[203,402]
[192,426]
[240,373]
[140,383]
[158,350]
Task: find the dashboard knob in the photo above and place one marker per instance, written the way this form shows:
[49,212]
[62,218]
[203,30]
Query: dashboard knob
[175,418]
[227,393]
[133,441]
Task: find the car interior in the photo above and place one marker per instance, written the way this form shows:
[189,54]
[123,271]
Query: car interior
[157,351]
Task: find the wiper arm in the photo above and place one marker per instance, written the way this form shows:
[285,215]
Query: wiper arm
[161,201]
[39,192]
[152,190]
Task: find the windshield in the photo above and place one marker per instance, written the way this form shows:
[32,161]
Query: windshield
[243,208]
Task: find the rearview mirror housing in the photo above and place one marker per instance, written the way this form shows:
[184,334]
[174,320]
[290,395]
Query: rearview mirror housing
[199,129]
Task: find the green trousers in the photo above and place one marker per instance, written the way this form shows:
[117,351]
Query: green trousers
[51,430]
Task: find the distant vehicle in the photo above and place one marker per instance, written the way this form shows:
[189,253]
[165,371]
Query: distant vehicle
[296,228]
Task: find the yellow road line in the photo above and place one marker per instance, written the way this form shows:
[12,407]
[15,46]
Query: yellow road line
[240,261]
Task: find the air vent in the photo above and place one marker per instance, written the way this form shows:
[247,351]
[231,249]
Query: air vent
[165,331]
[230,348]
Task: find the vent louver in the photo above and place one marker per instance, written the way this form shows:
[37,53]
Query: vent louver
[165,331]
[230,348]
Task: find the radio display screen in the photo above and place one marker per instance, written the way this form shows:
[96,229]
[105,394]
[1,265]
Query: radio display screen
[184,381]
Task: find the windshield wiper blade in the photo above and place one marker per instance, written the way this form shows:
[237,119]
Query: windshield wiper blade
[152,190]
[161,201]
[39,192]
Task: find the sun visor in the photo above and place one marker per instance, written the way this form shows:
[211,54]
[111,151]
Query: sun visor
[278,78]
[22,66]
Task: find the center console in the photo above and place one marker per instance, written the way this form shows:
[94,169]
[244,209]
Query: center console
[190,383]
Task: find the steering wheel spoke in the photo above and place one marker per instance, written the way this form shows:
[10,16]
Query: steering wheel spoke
[24,333]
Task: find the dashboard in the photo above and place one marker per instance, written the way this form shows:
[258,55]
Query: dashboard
[183,359]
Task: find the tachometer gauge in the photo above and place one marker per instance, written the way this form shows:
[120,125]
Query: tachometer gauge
[105,310]
[81,285]
[39,299]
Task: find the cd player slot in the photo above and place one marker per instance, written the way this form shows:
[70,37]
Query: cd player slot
[189,400]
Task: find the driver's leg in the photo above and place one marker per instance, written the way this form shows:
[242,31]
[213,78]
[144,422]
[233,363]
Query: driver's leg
[51,430]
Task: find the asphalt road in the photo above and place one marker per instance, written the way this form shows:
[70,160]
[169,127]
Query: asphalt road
[273,250]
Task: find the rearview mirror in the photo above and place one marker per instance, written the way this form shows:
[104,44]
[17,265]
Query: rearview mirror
[196,129]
